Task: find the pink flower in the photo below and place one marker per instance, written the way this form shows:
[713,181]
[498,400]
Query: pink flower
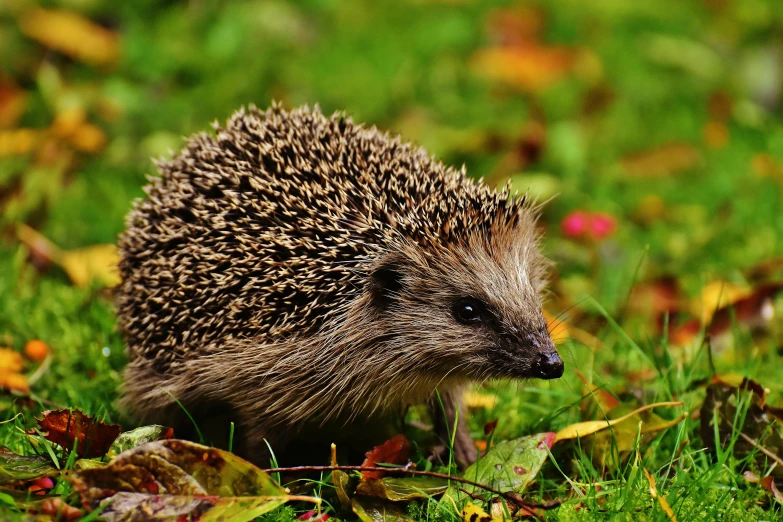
[582,224]
[602,225]
[575,224]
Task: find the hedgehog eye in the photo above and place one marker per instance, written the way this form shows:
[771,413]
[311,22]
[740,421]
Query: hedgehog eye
[468,310]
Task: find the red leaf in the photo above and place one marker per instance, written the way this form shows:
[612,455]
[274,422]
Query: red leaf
[768,483]
[490,427]
[64,427]
[393,451]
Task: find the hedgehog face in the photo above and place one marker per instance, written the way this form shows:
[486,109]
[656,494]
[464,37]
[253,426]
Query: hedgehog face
[470,311]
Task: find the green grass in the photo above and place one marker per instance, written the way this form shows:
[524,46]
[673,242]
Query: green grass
[405,66]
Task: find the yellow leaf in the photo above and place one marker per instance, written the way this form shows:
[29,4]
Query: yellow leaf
[71,34]
[89,138]
[582,429]
[18,142]
[83,265]
[717,295]
[68,121]
[14,381]
[98,262]
[661,500]
[478,400]
[10,361]
[557,327]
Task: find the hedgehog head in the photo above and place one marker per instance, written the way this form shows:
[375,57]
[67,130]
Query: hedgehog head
[468,308]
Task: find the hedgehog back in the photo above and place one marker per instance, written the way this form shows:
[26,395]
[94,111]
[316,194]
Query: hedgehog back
[265,229]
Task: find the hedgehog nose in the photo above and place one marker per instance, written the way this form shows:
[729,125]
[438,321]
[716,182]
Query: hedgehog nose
[548,365]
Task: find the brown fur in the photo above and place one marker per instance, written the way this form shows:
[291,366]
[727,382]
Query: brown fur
[302,271]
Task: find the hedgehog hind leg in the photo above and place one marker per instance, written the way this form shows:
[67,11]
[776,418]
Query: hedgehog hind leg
[183,401]
[446,413]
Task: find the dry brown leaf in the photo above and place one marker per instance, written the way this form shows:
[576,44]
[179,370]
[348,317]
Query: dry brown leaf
[514,26]
[667,159]
[529,67]
[65,427]
[768,483]
[71,34]
[13,103]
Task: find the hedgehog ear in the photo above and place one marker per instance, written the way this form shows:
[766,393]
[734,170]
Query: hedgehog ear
[385,284]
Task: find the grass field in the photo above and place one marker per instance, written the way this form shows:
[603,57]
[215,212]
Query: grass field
[662,118]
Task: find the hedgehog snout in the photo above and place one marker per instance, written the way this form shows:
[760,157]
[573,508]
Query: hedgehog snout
[547,363]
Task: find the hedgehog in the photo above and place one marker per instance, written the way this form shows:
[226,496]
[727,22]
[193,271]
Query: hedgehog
[304,275]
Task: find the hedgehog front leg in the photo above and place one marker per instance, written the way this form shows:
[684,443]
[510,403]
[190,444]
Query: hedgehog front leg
[444,414]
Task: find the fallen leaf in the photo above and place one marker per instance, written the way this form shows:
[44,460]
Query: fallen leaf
[513,26]
[180,480]
[16,469]
[760,433]
[667,159]
[13,103]
[661,500]
[393,451]
[606,401]
[582,429]
[94,263]
[83,265]
[716,295]
[370,509]
[10,361]
[407,488]
[528,67]
[768,483]
[15,382]
[57,509]
[19,142]
[71,34]
[344,487]
[133,438]
[751,311]
[65,427]
[509,467]
[11,365]
[716,134]
[621,439]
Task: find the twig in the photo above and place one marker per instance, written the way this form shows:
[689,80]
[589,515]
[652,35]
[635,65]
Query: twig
[510,496]
[473,495]
[761,448]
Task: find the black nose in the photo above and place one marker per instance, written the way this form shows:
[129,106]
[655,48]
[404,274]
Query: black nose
[548,365]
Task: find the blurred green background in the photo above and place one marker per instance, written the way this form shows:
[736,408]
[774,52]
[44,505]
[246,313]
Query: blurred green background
[662,116]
